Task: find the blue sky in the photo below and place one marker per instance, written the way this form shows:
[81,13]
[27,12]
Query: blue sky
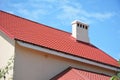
[103,17]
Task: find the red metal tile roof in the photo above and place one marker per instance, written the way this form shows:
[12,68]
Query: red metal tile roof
[77,74]
[42,35]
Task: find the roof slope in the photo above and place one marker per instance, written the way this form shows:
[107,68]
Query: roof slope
[77,74]
[42,35]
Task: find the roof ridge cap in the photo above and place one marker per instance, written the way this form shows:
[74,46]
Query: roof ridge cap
[80,75]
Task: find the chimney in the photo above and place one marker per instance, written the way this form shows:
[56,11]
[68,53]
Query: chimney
[80,31]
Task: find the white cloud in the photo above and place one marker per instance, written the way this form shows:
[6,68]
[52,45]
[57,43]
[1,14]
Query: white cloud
[63,10]
[30,10]
[101,16]
[77,11]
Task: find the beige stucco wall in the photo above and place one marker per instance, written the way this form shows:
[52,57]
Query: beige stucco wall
[35,65]
[6,50]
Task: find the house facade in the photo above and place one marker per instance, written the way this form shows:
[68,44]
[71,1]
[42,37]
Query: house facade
[45,53]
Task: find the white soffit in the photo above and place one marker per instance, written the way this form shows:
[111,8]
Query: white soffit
[53,52]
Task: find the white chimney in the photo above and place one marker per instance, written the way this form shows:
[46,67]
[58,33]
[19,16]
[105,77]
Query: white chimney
[80,31]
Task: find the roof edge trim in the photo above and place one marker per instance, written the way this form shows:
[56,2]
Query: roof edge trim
[61,54]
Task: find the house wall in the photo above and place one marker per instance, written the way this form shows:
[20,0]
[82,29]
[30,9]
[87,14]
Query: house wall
[6,51]
[35,65]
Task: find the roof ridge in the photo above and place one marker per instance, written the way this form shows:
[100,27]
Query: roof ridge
[35,22]
[81,75]
[89,71]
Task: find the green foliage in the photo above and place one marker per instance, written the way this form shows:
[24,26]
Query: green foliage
[119,61]
[117,76]
[4,71]
[114,78]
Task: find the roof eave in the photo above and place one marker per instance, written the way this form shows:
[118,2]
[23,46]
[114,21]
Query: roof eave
[64,55]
